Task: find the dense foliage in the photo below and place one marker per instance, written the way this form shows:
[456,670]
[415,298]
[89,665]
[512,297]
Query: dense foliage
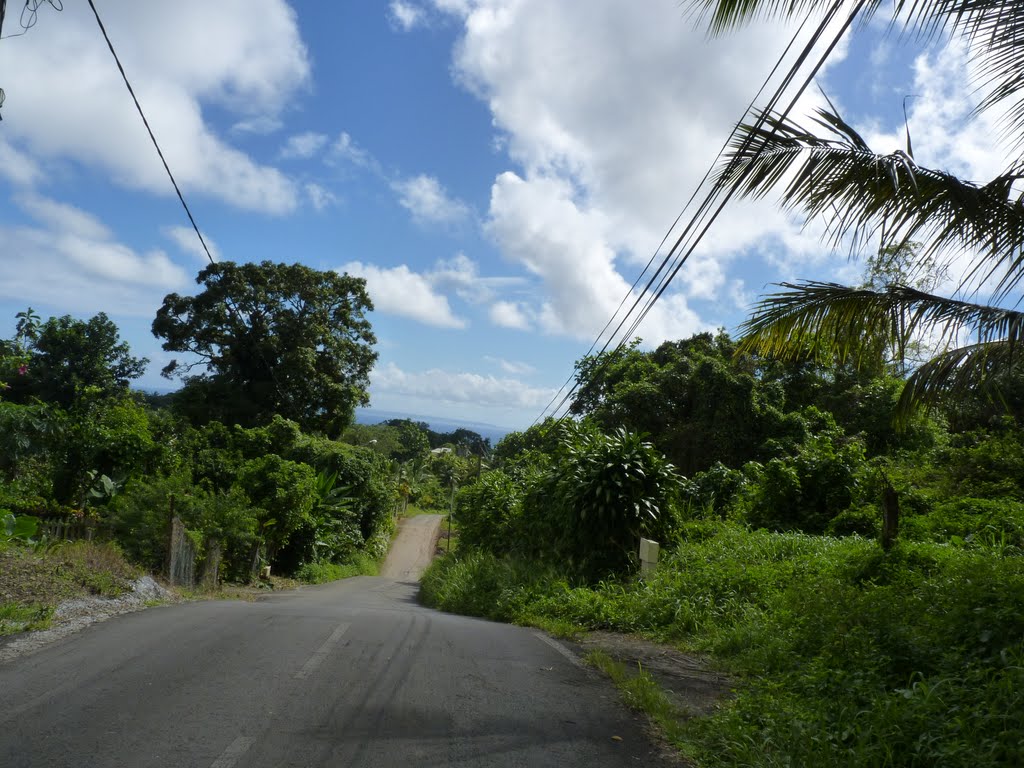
[851,652]
[255,480]
[270,339]
[851,656]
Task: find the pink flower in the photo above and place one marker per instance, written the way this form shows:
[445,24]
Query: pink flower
[22,370]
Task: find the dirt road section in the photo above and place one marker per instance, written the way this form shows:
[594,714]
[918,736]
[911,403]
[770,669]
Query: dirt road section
[413,548]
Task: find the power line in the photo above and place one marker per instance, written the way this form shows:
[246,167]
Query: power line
[679,253]
[156,144]
[227,302]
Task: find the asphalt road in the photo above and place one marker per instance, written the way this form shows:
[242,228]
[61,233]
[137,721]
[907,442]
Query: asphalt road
[413,547]
[354,673]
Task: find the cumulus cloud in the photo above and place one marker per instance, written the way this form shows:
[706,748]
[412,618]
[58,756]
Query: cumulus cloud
[73,262]
[400,291]
[607,151]
[461,276]
[459,388]
[539,225]
[303,145]
[428,201]
[180,57]
[424,295]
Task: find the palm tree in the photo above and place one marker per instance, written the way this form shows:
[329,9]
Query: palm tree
[829,171]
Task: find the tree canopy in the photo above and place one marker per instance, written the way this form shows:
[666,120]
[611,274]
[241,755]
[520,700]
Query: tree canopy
[66,358]
[271,339]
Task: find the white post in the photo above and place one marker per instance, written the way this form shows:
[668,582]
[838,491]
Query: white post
[648,555]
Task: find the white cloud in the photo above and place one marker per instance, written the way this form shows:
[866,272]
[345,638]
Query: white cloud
[242,56]
[510,314]
[428,201]
[17,166]
[459,388]
[404,15]
[259,125]
[400,291]
[513,367]
[345,147]
[423,296]
[537,224]
[612,117]
[319,196]
[461,276]
[76,265]
[188,241]
[303,145]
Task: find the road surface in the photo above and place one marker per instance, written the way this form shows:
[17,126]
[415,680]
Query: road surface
[413,547]
[353,673]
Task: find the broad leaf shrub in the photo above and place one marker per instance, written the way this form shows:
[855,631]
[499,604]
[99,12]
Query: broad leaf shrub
[850,656]
[583,511]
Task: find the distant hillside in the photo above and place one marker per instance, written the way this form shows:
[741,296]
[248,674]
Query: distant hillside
[490,431]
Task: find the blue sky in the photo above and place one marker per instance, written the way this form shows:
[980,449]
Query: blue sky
[498,170]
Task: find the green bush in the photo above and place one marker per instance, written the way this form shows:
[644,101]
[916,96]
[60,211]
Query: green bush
[488,512]
[601,494]
[804,492]
[323,572]
[364,472]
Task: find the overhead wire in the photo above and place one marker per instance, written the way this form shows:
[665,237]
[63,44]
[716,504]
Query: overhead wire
[678,254]
[149,130]
[181,198]
[29,15]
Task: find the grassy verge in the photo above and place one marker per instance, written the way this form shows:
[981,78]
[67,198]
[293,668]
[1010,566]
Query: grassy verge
[321,573]
[449,536]
[35,580]
[16,618]
[641,692]
[849,655]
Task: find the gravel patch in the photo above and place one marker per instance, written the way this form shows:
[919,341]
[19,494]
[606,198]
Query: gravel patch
[75,615]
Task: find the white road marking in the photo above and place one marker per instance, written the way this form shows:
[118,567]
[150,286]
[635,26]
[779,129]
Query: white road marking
[322,652]
[235,750]
[560,648]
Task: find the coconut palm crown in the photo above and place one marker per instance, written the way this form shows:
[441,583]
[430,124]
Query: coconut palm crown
[825,169]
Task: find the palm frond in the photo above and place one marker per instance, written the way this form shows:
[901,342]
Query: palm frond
[861,193]
[723,15]
[827,321]
[957,374]
[993,28]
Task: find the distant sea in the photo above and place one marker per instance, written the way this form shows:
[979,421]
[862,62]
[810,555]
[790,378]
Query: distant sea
[492,432]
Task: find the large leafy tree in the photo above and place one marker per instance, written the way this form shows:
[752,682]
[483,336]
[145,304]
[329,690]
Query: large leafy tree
[825,169]
[265,339]
[697,401]
[67,359]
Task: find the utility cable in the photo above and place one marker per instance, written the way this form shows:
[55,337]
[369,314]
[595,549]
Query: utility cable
[227,302]
[149,130]
[668,232]
[677,257]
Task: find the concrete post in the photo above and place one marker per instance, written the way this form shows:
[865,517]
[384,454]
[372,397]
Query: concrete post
[648,556]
